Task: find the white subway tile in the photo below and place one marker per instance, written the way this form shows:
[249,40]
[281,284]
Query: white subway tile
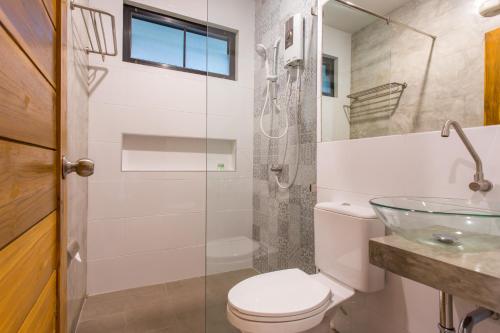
[126,272]
[106,239]
[164,232]
[145,198]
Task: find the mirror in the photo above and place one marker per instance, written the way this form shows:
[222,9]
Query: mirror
[400,66]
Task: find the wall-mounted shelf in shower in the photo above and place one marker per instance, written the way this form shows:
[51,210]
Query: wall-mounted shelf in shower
[99,27]
[170,153]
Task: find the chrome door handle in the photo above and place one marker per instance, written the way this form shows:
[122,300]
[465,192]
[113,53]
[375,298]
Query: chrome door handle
[84,167]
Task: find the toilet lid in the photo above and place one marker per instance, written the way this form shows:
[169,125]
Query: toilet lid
[278,294]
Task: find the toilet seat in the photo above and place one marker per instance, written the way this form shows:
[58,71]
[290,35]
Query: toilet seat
[283,301]
[279,319]
[285,293]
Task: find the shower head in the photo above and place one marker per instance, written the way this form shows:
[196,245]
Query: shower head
[261,50]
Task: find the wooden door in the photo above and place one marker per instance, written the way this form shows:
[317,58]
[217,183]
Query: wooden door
[492,78]
[32,107]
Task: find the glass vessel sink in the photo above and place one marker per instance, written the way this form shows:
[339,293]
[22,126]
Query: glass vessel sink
[455,224]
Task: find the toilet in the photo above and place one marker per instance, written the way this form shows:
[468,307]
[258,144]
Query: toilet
[291,301]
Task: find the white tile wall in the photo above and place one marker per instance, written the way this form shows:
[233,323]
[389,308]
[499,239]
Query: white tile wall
[145,198]
[147,268]
[415,164]
[126,236]
[149,227]
[108,121]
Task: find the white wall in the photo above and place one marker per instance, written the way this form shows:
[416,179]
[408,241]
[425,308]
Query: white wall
[334,122]
[423,164]
[149,227]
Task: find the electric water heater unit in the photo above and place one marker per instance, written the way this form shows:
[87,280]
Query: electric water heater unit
[294,40]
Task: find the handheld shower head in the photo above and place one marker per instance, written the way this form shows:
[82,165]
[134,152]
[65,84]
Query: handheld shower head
[277,43]
[261,50]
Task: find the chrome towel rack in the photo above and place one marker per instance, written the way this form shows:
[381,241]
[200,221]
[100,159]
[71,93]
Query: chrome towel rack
[377,102]
[94,20]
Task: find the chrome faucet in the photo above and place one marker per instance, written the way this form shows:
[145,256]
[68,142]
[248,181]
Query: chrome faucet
[479,183]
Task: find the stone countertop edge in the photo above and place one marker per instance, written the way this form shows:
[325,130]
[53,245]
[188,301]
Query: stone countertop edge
[472,276]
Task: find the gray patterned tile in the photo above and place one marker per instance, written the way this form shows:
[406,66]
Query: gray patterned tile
[282,220]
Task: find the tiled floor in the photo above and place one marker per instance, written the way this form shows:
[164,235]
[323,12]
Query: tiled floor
[177,307]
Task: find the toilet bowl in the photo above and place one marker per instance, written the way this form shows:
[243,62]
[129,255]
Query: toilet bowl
[286,301]
[291,301]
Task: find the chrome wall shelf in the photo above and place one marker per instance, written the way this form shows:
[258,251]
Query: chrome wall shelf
[378,102]
[95,21]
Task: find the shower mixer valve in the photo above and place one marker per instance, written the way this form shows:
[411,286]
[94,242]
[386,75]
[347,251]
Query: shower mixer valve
[277,168]
[272,78]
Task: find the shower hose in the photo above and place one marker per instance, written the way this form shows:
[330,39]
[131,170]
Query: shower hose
[274,106]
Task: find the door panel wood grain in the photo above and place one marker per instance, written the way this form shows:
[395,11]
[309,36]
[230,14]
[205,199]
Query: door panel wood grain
[26,266]
[51,7]
[27,187]
[27,100]
[30,25]
[32,134]
[42,317]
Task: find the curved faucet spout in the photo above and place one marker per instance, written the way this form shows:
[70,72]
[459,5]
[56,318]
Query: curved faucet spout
[479,183]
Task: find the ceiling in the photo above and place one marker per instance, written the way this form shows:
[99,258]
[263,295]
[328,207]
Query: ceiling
[350,20]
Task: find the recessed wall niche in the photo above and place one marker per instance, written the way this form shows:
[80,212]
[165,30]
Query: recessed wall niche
[170,153]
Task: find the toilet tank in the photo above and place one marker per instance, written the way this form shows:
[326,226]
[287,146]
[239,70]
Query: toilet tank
[341,234]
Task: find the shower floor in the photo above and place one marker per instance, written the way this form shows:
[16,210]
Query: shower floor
[176,307]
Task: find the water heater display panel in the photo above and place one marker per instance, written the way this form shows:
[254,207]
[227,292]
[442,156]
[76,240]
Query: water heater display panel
[294,40]
[289,33]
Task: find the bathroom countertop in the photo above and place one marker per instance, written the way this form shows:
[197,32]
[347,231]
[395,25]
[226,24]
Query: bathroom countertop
[474,276]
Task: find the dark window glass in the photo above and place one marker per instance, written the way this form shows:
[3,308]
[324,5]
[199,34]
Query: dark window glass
[329,76]
[159,40]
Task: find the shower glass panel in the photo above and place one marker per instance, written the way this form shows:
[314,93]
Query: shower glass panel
[359,94]
[253,225]
[229,243]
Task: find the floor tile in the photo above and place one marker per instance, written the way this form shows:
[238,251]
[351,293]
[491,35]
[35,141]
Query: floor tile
[114,323]
[150,317]
[189,306]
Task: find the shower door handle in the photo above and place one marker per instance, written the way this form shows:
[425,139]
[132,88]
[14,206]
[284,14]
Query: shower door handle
[84,167]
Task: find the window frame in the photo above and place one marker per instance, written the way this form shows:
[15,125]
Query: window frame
[187,26]
[331,63]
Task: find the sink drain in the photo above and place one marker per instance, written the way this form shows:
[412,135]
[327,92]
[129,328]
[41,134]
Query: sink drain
[446,239]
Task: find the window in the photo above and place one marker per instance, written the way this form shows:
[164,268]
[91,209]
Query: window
[160,40]
[329,76]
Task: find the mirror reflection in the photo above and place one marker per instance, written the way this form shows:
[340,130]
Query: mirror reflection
[399,66]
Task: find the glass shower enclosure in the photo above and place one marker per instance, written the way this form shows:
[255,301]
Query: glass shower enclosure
[259,190]
[204,172]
